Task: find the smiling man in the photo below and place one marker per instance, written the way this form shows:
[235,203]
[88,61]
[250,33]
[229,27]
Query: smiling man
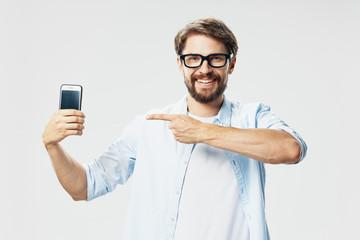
[197,165]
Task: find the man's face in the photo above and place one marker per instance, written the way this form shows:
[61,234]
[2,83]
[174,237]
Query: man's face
[205,83]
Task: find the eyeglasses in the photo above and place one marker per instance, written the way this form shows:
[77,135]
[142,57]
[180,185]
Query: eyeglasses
[217,60]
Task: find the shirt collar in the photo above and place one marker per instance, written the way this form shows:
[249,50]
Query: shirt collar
[223,117]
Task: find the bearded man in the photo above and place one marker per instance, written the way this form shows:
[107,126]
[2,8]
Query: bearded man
[197,165]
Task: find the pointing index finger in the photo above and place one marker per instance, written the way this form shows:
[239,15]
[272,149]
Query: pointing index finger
[166,117]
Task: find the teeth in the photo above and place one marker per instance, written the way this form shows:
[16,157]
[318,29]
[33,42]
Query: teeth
[204,81]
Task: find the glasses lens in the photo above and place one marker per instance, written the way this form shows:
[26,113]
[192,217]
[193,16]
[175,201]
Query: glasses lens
[217,60]
[192,60]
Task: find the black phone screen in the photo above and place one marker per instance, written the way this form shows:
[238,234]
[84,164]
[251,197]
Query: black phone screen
[70,100]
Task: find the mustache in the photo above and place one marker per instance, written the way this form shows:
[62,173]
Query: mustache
[210,75]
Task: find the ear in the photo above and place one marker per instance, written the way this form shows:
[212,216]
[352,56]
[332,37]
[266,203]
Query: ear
[232,65]
[180,65]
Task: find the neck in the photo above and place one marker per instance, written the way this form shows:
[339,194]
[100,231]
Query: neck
[204,109]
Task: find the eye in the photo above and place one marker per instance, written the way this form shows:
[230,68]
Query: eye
[193,58]
[217,58]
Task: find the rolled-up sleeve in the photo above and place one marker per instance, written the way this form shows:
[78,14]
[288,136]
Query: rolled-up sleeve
[116,164]
[267,119]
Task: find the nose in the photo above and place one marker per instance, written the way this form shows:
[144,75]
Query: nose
[205,67]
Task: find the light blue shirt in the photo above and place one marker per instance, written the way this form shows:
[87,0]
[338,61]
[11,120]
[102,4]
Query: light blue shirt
[148,151]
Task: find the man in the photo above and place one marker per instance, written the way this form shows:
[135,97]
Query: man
[197,165]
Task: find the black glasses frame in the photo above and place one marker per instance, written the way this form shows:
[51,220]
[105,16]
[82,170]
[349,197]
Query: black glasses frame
[227,56]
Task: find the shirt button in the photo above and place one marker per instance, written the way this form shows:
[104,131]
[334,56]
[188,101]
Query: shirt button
[172,219]
[177,192]
[185,162]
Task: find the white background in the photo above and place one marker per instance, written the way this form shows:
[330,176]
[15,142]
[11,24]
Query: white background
[300,57]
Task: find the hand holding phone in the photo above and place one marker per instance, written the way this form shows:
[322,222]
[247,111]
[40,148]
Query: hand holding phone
[70,96]
[69,120]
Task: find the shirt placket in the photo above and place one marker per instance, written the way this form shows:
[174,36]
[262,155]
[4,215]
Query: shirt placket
[184,153]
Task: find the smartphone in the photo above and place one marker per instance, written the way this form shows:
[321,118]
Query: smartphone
[70,96]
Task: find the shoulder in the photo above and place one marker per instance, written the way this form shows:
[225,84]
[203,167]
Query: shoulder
[247,108]
[246,115]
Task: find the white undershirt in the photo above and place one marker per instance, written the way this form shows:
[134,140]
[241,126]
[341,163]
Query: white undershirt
[210,207]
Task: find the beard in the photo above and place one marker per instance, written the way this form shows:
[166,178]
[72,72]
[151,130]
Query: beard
[203,98]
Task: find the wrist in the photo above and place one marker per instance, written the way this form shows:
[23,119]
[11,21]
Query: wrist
[49,145]
[208,132]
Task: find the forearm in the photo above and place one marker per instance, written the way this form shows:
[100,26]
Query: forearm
[71,174]
[265,145]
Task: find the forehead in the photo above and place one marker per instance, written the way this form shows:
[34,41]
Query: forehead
[203,44]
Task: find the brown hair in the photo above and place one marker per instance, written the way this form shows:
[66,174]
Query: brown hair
[211,27]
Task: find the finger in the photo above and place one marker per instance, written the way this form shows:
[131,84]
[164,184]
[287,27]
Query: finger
[74,119]
[73,132]
[166,117]
[72,112]
[74,126]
